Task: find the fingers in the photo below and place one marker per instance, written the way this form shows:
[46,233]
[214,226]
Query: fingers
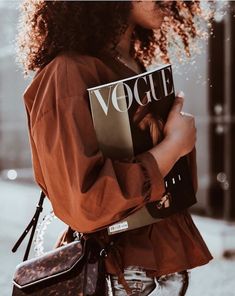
[180,94]
[186,114]
[178,104]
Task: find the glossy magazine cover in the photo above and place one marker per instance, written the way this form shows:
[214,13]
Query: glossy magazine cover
[129,117]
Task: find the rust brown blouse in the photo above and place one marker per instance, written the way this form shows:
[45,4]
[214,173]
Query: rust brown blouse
[89,191]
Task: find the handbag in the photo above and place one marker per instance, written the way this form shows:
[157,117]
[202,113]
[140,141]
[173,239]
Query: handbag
[76,268]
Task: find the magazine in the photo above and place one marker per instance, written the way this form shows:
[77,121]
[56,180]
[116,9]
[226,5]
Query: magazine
[129,117]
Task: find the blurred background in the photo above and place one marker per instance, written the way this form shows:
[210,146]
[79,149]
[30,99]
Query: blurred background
[207,80]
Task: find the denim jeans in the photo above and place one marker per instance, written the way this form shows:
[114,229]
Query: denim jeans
[174,284]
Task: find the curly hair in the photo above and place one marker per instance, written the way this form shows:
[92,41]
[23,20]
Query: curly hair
[49,27]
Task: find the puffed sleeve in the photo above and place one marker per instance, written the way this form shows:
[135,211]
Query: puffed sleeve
[87,190]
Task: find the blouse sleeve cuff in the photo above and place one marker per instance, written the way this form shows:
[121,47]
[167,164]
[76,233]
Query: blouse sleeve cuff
[153,187]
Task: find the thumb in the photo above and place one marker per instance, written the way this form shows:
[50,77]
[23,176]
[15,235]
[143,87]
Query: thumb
[178,104]
[180,94]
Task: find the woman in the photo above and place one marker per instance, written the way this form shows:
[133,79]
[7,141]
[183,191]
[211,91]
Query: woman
[77,45]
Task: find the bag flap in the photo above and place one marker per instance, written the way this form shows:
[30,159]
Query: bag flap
[51,264]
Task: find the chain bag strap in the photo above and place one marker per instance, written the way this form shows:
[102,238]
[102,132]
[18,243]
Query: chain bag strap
[32,224]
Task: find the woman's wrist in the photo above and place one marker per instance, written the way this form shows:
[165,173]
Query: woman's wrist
[166,153]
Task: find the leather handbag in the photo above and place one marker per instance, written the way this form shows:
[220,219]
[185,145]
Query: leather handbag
[76,268]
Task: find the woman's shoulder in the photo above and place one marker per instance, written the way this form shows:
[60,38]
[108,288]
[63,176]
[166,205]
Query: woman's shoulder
[64,78]
[80,63]
[67,75]
[71,58]
[71,68]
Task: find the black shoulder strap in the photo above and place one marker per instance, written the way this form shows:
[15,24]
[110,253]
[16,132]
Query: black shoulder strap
[32,224]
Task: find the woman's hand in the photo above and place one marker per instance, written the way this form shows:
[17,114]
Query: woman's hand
[179,138]
[180,128]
